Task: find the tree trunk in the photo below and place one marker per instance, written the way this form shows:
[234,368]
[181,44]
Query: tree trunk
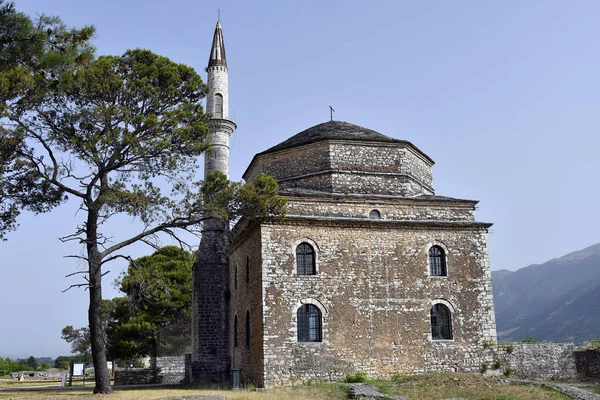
[94,312]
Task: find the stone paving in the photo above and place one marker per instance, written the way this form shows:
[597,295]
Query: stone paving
[568,389]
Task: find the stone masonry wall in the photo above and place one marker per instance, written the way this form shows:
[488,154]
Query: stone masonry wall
[210,312]
[533,360]
[135,377]
[375,296]
[245,261]
[170,369]
[399,210]
[588,363]
[348,167]
[289,164]
[381,159]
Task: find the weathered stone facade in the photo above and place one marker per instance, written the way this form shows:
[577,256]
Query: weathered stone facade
[170,369]
[533,360]
[373,287]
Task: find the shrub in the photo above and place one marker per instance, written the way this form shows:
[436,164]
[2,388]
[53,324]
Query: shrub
[355,377]
[510,349]
[508,372]
[484,367]
[497,364]
[593,344]
[529,339]
[488,345]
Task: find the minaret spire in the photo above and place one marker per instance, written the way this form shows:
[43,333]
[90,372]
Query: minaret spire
[210,307]
[217,51]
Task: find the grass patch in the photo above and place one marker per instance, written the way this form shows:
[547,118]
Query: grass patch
[468,386]
[356,377]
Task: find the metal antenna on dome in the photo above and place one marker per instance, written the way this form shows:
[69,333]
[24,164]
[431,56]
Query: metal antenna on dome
[219,15]
[331,111]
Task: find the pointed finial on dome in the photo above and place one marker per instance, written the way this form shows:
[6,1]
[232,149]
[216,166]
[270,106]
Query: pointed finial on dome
[217,51]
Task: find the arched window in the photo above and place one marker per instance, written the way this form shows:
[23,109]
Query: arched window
[441,324]
[437,261]
[305,259]
[247,269]
[309,324]
[218,106]
[235,331]
[247,328]
[375,214]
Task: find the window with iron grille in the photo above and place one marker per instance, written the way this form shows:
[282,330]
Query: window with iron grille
[305,259]
[309,324]
[437,261]
[441,324]
[247,328]
[235,332]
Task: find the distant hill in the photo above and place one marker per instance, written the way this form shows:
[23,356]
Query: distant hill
[558,300]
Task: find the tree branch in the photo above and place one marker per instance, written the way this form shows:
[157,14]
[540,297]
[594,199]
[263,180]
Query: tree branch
[87,285]
[178,223]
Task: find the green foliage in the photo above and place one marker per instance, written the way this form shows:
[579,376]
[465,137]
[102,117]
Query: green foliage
[32,55]
[231,200]
[484,367]
[510,348]
[7,366]
[529,339]
[63,362]
[158,293]
[488,345]
[497,364]
[593,344]
[78,338]
[508,372]
[356,377]
[32,363]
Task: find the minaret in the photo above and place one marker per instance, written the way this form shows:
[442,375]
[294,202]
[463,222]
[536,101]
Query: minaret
[210,323]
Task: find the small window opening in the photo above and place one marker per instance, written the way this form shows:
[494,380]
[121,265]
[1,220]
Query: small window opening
[247,328]
[235,332]
[247,269]
[218,106]
[309,324]
[305,259]
[437,261]
[441,324]
[375,214]
[235,277]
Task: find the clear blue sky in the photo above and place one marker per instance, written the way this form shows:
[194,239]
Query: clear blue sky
[504,96]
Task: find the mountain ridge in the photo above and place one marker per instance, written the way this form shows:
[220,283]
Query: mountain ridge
[552,301]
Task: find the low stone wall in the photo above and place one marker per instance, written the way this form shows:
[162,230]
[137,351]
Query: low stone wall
[588,363]
[125,377]
[170,369]
[38,375]
[534,360]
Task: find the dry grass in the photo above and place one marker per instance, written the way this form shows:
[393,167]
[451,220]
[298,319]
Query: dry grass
[421,387]
[317,392]
[12,383]
[469,386]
